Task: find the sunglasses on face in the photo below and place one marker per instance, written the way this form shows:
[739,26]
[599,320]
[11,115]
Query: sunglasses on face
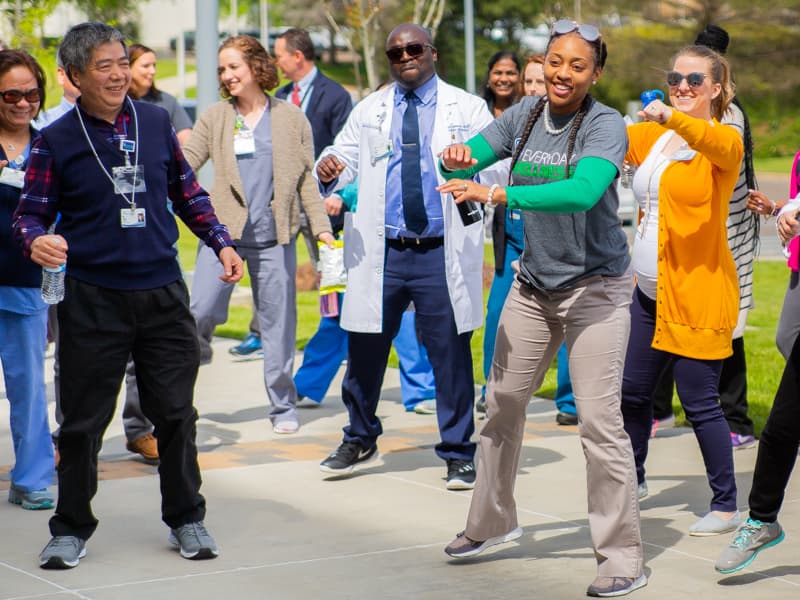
[564,26]
[694,80]
[413,50]
[14,96]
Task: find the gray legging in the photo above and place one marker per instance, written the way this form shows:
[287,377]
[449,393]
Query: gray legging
[789,322]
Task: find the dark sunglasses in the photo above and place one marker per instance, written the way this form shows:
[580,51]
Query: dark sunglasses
[694,80]
[564,26]
[413,50]
[13,96]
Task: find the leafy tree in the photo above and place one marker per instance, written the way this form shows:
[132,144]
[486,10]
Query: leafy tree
[122,14]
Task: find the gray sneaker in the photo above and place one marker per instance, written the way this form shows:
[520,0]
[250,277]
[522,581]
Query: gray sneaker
[642,490]
[62,552]
[194,541]
[752,537]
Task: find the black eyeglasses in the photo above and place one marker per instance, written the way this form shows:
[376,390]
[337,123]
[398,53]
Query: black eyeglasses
[14,96]
[564,26]
[695,80]
[414,50]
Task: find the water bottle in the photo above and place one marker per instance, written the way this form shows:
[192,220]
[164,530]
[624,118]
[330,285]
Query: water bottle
[648,96]
[626,178]
[53,283]
[469,212]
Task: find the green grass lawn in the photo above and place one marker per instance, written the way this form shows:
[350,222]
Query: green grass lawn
[775,164]
[764,363]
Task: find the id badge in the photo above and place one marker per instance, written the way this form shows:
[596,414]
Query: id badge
[13,177]
[380,146]
[244,142]
[132,218]
[125,177]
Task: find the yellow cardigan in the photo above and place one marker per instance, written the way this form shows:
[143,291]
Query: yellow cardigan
[697,299]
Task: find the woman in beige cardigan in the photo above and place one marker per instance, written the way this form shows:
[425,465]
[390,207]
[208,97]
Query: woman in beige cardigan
[263,151]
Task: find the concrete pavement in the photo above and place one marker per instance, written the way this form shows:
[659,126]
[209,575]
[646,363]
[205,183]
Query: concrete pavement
[286,532]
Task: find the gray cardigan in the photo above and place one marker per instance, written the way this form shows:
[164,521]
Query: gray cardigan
[292,161]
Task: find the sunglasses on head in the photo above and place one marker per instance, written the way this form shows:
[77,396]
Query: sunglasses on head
[14,96]
[413,49]
[564,26]
[694,80]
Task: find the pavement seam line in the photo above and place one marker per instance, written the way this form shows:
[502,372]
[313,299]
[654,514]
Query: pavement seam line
[61,588]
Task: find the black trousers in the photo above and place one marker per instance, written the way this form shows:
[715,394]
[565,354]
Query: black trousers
[732,391]
[778,445]
[98,329]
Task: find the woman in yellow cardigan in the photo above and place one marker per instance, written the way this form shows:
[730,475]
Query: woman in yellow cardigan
[686,299]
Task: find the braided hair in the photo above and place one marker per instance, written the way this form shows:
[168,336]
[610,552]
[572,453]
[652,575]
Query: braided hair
[600,55]
[534,115]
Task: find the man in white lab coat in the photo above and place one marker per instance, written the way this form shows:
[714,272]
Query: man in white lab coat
[406,243]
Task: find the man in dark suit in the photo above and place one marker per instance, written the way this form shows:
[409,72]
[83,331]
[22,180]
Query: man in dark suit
[326,103]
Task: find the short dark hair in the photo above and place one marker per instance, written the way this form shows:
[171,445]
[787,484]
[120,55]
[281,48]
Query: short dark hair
[80,42]
[258,60]
[299,39]
[19,58]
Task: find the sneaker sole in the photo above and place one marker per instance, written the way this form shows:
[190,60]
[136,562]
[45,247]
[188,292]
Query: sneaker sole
[375,458]
[512,535]
[746,563]
[56,562]
[638,583]
[713,533]
[745,446]
[460,484]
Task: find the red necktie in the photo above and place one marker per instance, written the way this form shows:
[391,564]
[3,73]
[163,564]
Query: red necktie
[296,95]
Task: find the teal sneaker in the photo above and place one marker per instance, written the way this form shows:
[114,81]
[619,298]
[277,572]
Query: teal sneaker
[752,537]
[36,500]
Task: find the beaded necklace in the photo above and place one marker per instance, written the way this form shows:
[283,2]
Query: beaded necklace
[548,124]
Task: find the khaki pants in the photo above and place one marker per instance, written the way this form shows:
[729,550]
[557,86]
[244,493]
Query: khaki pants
[594,318]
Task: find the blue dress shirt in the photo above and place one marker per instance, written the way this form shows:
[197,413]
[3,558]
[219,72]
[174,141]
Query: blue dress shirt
[426,111]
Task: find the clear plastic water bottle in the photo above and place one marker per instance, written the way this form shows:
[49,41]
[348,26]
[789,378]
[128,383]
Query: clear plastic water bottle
[626,178]
[53,283]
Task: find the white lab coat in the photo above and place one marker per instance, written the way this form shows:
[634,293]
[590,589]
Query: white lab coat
[459,116]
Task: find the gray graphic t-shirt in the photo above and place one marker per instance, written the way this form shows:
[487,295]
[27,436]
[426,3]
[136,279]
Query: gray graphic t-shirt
[563,248]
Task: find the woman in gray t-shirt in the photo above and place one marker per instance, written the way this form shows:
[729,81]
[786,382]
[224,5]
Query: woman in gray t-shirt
[573,284]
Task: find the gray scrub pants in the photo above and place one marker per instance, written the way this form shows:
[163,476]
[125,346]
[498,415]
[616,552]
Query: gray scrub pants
[272,278]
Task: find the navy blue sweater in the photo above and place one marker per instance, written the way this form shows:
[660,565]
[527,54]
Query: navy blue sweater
[101,252]
[15,269]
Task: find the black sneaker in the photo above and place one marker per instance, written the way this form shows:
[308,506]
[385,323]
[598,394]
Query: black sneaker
[349,457]
[564,418]
[460,474]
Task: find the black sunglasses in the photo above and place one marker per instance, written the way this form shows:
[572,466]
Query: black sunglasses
[694,80]
[564,26]
[414,50]
[14,96]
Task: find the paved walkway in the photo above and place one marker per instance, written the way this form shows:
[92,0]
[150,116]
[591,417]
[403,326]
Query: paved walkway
[285,532]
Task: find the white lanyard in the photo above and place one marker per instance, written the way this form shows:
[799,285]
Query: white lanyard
[132,201]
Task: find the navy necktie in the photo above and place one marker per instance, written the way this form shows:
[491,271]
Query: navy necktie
[410,173]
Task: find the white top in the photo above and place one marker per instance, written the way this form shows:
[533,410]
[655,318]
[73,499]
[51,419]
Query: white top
[646,182]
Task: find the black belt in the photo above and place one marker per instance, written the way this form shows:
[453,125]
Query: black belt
[421,243]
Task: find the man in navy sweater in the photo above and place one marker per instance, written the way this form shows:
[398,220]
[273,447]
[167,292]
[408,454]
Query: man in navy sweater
[107,168]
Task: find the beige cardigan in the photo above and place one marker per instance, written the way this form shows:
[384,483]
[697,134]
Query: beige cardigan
[292,161]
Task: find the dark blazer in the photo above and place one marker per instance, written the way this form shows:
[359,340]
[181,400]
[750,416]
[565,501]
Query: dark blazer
[328,109]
